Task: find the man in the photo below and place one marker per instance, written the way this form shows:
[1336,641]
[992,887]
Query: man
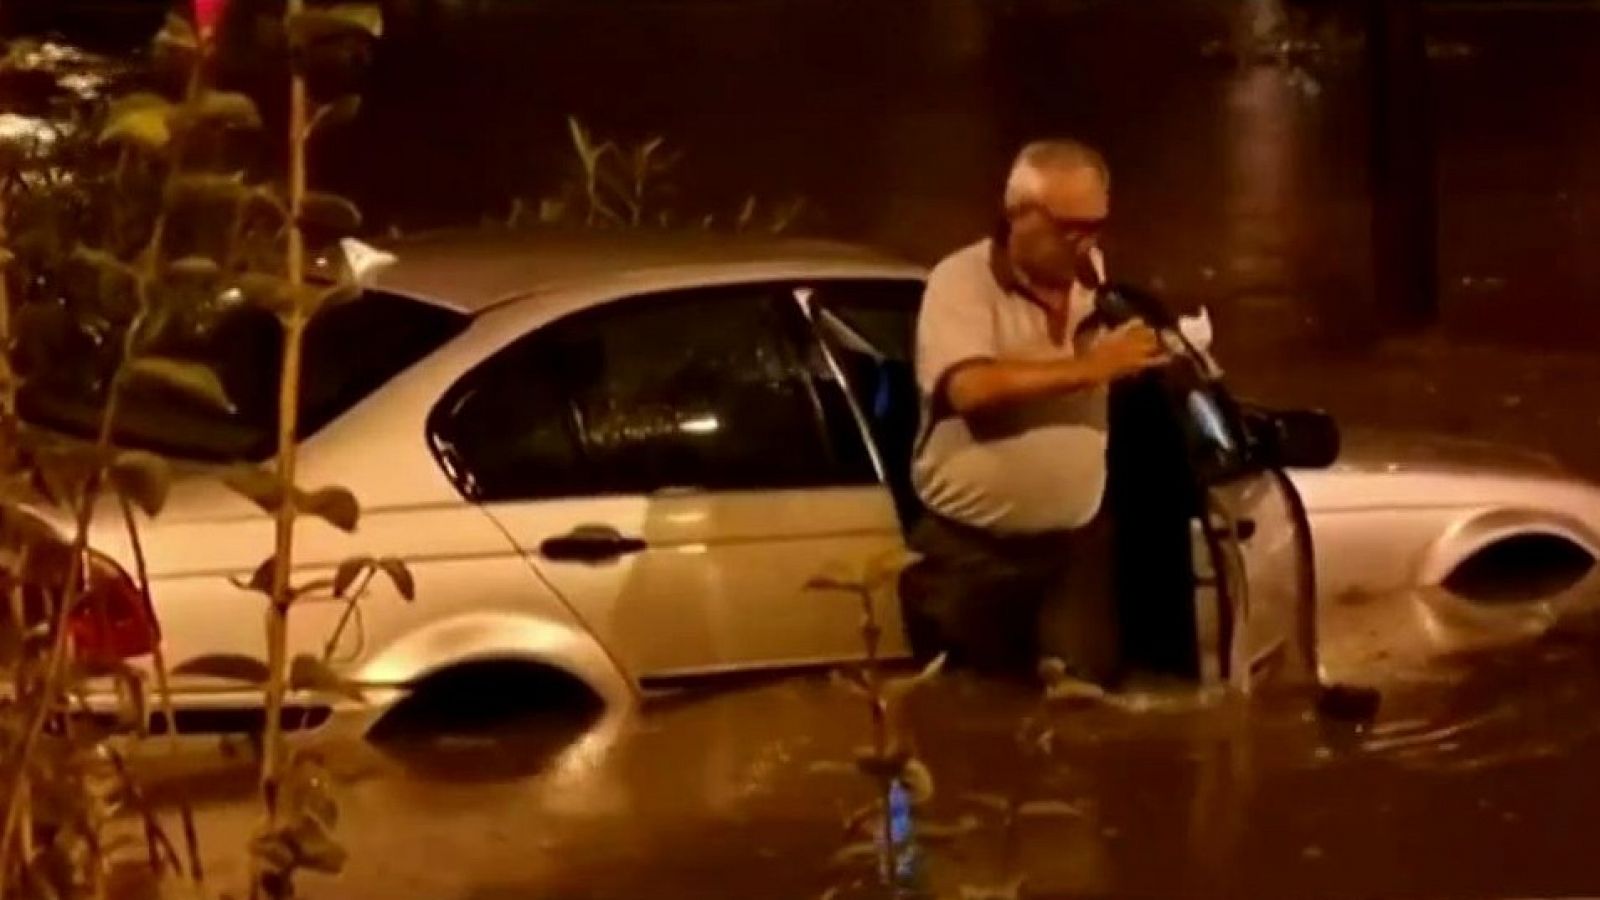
[1011,455]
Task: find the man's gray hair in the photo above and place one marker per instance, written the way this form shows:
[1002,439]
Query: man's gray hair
[1042,159]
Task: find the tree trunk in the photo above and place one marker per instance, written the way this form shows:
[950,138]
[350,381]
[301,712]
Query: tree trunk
[1404,192]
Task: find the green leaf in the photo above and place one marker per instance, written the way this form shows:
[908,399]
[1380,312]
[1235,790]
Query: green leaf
[918,779]
[341,292]
[329,212]
[825,583]
[944,831]
[860,851]
[105,262]
[257,485]
[232,666]
[196,267]
[207,187]
[588,153]
[401,576]
[1039,809]
[271,293]
[139,100]
[340,21]
[882,767]
[335,505]
[177,34]
[315,849]
[347,573]
[896,688]
[147,128]
[143,478]
[269,197]
[310,673]
[337,112]
[306,790]
[196,380]
[273,852]
[992,802]
[851,680]
[1009,890]
[132,698]
[260,580]
[229,108]
[747,214]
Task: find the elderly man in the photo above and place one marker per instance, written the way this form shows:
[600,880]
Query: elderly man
[1011,456]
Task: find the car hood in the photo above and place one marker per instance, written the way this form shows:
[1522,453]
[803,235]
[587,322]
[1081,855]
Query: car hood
[1391,452]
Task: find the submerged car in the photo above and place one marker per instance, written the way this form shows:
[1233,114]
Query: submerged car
[617,462]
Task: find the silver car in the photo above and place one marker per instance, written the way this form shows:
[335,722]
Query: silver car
[615,462]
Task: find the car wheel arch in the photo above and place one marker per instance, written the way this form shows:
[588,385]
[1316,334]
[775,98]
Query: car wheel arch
[501,638]
[1486,532]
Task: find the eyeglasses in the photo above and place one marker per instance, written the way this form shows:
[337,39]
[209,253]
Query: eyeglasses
[1072,227]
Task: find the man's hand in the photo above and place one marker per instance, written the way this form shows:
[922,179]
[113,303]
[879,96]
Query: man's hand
[1129,349]
[981,385]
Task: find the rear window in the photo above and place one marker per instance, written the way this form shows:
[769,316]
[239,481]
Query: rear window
[351,350]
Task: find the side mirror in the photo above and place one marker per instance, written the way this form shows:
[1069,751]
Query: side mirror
[1296,439]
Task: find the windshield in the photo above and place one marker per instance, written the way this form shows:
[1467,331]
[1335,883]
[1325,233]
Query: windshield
[350,351]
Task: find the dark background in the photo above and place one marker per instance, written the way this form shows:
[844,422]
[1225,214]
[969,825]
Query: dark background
[1241,187]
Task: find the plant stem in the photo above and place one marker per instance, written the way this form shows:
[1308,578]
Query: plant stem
[288,413]
[56,661]
[163,680]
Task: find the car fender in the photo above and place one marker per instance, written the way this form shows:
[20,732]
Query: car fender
[500,636]
[1470,534]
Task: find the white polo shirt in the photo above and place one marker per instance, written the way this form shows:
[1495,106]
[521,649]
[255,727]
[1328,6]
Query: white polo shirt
[1031,467]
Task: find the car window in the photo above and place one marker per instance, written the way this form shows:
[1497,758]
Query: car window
[702,389]
[350,351]
[883,314]
[870,326]
[506,431]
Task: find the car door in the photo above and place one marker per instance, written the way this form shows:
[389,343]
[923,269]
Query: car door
[867,328]
[690,468]
[1256,568]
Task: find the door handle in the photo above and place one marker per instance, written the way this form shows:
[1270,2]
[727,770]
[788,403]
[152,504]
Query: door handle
[590,544]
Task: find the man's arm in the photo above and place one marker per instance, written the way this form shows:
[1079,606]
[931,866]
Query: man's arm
[988,384]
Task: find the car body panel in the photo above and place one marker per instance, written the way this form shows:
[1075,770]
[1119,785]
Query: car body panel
[721,584]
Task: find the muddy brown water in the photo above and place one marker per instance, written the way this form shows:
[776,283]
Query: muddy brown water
[1475,780]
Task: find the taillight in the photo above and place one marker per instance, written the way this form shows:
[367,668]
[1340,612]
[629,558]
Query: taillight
[112,620]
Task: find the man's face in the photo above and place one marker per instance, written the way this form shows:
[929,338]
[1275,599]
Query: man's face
[1049,237]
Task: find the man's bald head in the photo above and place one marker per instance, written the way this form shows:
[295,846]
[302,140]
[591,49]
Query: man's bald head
[1056,201]
[1043,164]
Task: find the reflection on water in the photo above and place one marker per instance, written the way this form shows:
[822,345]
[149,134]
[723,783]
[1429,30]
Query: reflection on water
[1473,783]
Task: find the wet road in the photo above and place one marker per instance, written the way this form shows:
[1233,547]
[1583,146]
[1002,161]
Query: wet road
[1477,783]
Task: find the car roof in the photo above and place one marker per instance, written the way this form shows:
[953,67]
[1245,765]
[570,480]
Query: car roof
[473,271]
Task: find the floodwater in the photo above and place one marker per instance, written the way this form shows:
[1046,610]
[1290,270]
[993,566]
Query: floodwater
[1475,782]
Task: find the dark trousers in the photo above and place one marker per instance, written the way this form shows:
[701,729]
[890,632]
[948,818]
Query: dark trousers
[1000,603]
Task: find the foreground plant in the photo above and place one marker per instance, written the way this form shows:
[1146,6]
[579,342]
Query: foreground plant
[103,256]
[72,616]
[883,832]
[299,811]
